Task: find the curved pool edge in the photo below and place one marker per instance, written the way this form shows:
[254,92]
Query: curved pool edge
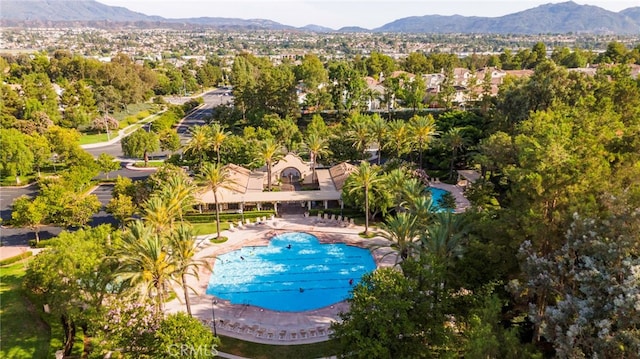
[257,235]
[296,272]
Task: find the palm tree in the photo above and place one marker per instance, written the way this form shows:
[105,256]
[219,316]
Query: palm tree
[269,151]
[402,231]
[398,137]
[444,238]
[455,140]
[395,182]
[160,213]
[421,207]
[379,131]
[199,143]
[145,262]
[216,177]
[178,190]
[365,176]
[218,136]
[411,189]
[371,94]
[391,88]
[358,131]
[182,244]
[424,130]
[318,147]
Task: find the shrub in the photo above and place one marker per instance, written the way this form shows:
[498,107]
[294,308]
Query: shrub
[142,115]
[128,120]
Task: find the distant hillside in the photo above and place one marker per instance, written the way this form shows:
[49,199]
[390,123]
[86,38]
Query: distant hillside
[67,10]
[353,29]
[633,13]
[223,22]
[550,18]
[316,28]
[566,17]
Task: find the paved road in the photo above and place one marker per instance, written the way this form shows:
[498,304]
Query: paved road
[21,236]
[104,193]
[9,194]
[124,172]
[211,99]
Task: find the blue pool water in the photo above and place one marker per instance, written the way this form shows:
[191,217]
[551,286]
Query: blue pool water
[307,276]
[436,194]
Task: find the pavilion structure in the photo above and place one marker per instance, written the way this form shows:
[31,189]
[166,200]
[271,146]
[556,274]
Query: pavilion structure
[248,187]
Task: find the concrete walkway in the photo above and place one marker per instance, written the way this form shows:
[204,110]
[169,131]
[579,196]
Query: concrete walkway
[255,324]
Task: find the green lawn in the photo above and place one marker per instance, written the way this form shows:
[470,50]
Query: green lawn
[23,334]
[208,228]
[86,139]
[264,351]
[134,109]
[11,180]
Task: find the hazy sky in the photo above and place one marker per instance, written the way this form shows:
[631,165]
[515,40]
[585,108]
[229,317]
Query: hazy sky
[338,13]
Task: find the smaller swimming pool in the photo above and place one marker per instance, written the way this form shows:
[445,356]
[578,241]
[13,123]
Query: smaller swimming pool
[294,273]
[436,196]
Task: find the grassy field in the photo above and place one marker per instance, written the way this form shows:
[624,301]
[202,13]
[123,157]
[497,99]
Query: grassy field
[133,109]
[133,114]
[23,334]
[86,139]
[11,180]
[264,351]
[208,228]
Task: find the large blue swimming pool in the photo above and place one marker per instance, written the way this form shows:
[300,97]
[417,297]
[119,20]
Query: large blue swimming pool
[306,276]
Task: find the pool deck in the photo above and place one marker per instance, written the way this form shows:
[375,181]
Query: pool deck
[260,325]
[462,203]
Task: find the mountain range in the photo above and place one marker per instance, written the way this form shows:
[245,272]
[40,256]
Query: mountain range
[550,18]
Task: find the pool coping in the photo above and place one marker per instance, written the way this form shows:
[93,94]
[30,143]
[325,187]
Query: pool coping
[260,325]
